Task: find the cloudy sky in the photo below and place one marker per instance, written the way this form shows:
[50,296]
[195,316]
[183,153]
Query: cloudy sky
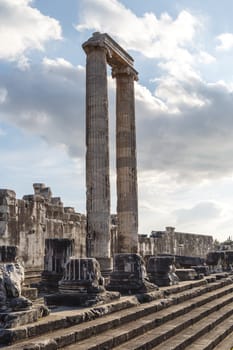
[184,104]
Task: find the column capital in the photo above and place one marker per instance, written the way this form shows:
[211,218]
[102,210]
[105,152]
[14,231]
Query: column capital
[124,70]
[97,41]
[116,55]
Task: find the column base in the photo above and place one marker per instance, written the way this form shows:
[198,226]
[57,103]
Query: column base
[161,270]
[106,266]
[129,275]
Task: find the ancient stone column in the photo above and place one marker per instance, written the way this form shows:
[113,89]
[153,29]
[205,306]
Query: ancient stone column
[127,198]
[97,153]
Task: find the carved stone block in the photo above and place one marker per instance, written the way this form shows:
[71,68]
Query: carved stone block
[161,271]
[129,275]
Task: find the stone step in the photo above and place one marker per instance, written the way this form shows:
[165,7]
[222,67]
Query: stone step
[226,343]
[180,333]
[219,338]
[203,335]
[62,320]
[182,314]
[69,335]
[65,318]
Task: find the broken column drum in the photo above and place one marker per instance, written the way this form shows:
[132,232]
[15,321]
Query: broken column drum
[161,270]
[82,284]
[102,50]
[82,276]
[129,275]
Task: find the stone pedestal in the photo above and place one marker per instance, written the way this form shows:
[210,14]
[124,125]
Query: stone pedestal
[161,271]
[129,275]
[185,261]
[82,284]
[216,261]
[82,276]
[229,260]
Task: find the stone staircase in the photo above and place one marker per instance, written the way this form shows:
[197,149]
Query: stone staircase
[193,315]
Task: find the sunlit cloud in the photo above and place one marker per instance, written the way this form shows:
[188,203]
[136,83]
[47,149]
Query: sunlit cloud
[24,28]
[225,42]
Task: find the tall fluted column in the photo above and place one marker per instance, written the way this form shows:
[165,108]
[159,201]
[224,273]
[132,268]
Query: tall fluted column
[97,155]
[127,198]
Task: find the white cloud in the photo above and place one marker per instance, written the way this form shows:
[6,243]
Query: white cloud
[23,63]
[145,98]
[170,41]
[226,42]
[49,101]
[179,87]
[154,37]
[24,28]
[56,63]
[201,212]
[206,58]
[2,132]
[42,163]
[193,144]
[3,95]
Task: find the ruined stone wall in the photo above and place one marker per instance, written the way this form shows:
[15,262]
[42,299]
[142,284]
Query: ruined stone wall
[29,221]
[8,218]
[176,243]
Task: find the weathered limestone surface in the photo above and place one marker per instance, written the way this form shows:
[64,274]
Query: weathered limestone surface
[127,201]
[57,252]
[186,274]
[28,222]
[129,275]
[8,219]
[161,270]
[102,49]
[82,284]
[182,316]
[97,154]
[31,221]
[82,276]
[15,309]
[176,243]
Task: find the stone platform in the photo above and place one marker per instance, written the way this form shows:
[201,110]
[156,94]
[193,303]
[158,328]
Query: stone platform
[81,299]
[183,314]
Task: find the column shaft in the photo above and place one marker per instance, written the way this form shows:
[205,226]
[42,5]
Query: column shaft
[97,156]
[127,198]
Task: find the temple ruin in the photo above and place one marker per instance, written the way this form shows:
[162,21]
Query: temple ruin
[178,288]
[101,50]
[47,233]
